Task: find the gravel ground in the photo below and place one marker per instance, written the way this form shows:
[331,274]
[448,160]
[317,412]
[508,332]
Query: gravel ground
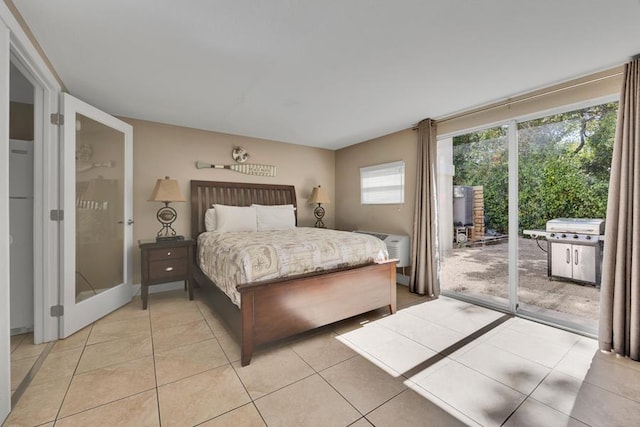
[484,270]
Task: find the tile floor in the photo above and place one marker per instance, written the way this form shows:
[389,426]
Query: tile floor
[434,363]
[24,355]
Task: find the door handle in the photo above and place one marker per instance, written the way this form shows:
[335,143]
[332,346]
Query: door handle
[568,256]
[576,260]
[129,222]
[168,269]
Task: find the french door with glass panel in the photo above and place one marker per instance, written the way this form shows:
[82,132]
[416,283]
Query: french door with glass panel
[96,225]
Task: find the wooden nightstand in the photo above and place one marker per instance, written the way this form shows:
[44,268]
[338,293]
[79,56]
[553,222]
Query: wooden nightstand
[163,262]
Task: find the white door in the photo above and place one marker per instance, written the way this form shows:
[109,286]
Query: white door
[96,223]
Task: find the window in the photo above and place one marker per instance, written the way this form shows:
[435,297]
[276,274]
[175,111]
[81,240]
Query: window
[382,184]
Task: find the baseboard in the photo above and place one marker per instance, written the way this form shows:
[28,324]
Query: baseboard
[164,287]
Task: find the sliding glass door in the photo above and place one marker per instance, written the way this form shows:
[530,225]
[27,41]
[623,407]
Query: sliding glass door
[474,227]
[499,187]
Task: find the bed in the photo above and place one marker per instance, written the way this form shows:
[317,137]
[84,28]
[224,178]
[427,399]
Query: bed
[274,309]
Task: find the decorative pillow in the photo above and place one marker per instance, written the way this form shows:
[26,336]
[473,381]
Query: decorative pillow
[210,220]
[275,217]
[235,218]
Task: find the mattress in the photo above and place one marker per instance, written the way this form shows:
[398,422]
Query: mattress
[234,258]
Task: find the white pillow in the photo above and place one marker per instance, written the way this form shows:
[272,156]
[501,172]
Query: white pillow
[210,220]
[275,217]
[235,218]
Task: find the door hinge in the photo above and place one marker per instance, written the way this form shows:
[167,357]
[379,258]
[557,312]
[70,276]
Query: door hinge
[57,311]
[57,119]
[56,215]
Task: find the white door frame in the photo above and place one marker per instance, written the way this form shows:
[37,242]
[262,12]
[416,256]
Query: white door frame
[14,43]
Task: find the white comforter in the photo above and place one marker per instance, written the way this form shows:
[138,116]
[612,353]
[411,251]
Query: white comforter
[234,258]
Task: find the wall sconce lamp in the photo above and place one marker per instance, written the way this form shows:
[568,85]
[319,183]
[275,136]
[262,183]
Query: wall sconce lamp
[319,195]
[167,191]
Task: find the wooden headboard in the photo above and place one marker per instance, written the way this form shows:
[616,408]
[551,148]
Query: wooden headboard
[206,193]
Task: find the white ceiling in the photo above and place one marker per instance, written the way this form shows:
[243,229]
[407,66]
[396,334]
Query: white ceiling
[325,73]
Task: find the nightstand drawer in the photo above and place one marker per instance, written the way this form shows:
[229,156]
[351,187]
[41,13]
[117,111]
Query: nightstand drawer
[167,253]
[167,269]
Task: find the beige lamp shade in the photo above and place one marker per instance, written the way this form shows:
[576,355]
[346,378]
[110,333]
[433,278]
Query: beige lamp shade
[166,190]
[319,195]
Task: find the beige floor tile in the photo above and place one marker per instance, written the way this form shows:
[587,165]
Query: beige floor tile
[362,422]
[59,364]
[549,333]
[182,334]
[538,350]
[114,352]
[132,311]
[39,404]
[398,354]
[435,310]
[108,384]
[597,407]
[514,371]
[535,414]
[615,376]
[410,409]
[244,416]
[229,344]
[481,398]
[429,334]
[309,402]
[167,313]
[272,369]
[558,391]
[140,410]
[578,360]
[469,319]
[27,349]
[19,370]
[76,340]
[201,397]
[322,350]
[362,383]
[117,329]
[404,298]
[182,362]
[16,340]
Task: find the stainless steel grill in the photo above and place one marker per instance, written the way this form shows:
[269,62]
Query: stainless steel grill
[574,248]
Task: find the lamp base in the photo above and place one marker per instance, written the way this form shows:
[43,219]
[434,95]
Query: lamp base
[169,238]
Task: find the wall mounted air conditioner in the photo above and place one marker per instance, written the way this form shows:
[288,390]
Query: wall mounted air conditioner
[398,246]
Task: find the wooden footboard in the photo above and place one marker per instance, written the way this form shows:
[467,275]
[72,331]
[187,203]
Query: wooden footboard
[279,309]
[275,310]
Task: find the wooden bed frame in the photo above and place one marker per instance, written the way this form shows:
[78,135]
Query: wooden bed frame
[276,309]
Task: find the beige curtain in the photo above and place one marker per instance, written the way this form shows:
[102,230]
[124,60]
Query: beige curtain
[620,288]
[424,263]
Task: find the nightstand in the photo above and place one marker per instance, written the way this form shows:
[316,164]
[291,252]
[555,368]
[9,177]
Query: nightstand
[163,262]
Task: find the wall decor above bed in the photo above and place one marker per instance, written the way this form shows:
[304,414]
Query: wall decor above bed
[246,168]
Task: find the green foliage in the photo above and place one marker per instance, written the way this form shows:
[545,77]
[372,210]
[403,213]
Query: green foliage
[563,167]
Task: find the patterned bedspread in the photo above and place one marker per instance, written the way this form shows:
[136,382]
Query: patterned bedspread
[234,258]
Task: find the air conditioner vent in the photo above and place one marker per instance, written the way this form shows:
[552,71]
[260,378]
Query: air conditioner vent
[398,246]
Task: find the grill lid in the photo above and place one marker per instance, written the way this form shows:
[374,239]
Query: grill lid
[576,225]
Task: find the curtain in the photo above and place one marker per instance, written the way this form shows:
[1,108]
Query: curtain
[424,262]
[620,287]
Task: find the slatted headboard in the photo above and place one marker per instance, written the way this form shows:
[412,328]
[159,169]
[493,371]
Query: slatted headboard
[206,193]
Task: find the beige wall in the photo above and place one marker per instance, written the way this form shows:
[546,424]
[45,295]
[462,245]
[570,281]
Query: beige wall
[350,213]
[160,150]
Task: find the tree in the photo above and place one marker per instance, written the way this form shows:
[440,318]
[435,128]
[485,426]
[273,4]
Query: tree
[563,168]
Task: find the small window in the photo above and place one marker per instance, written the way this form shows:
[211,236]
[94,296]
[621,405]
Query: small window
[382,184]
